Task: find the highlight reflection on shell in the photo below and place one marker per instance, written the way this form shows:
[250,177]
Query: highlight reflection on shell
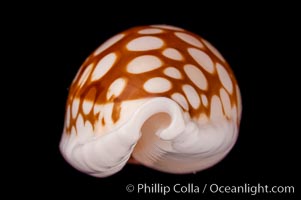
[158,95]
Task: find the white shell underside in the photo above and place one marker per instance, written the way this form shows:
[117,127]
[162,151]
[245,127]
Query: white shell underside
[158,135]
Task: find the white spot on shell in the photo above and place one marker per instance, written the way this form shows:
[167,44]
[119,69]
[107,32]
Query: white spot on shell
[226,102]
[97,108]
[85,75]
[214,50]
[189,39]
[88,129]
[203,119]
[172,54]
[67,122]
[108,110]
[224,77]
[202,59]
[173,72]
[180,99]
[79,123]
[216,110]
[192,96]
[157,85]
[116,88]
[167,27]
[145,43]
[73,131]
[88,103]
[75,105]
[150,31]
[108,43]
[143,64]
[84,129]
[103,66]
[204,100]
[196,76]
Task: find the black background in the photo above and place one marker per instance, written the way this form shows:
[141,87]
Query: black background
[259,46]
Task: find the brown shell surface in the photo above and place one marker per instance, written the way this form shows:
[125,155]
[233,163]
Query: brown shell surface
[85,88]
